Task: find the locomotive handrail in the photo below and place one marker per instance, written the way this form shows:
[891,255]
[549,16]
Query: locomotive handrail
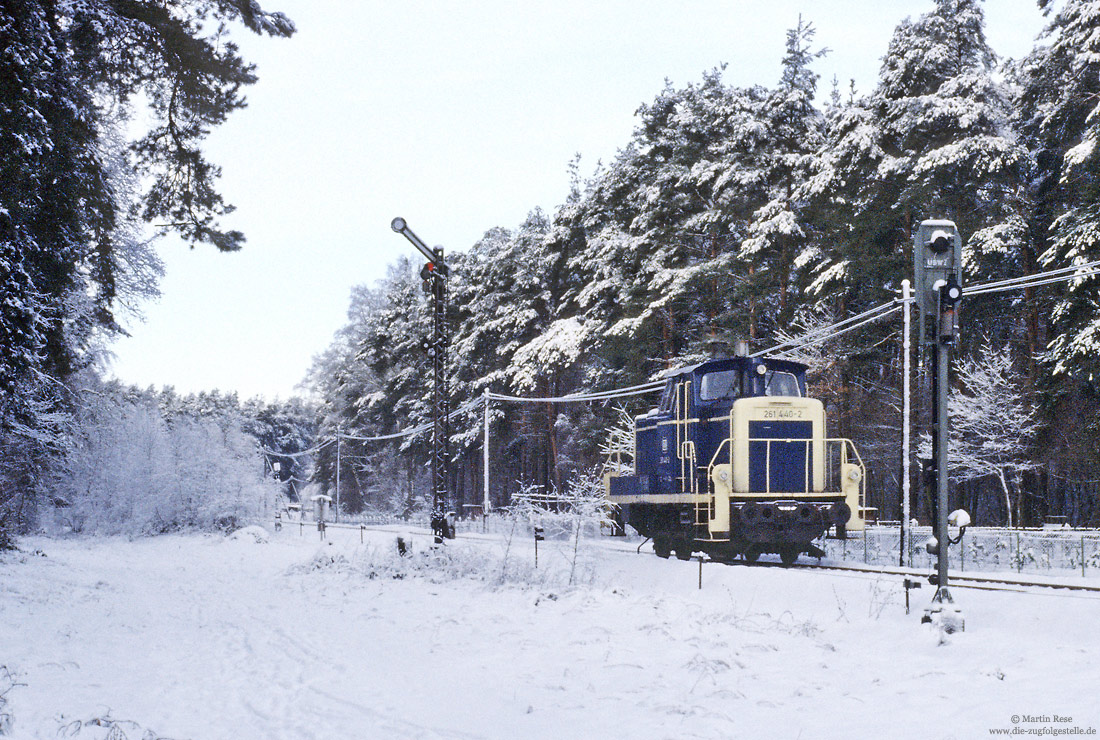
[615,459]
[725,443]
[845,443]
[688,457]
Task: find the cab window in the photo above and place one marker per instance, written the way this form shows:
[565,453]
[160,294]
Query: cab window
[667,396]
[724,384]
[781,384]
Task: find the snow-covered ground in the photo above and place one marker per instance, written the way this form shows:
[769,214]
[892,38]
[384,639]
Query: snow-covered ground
[213,637]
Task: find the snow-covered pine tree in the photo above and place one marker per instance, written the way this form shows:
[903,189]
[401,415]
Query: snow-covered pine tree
[68,73]
[665,221]
[934,140]
[779,233]
[1060,115]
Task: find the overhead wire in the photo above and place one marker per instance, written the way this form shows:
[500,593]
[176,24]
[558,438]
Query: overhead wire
[468,406]
[1034,283]
[810,338]
[815,336]
[577,397]
[303,453]
[1021,280]
[832,335]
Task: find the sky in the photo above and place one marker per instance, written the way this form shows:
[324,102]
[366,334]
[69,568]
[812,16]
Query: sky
[458,117]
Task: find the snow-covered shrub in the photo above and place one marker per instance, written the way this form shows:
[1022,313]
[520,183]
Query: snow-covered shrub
[107,727]
[130,468]
[7,683]
[251,534]
[582,511]
[450,562]
[324,559]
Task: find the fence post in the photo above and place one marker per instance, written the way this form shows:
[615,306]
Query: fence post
[1019,559]
[362,529]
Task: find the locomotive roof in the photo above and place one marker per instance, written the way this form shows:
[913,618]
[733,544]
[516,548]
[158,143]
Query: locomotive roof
[729,363]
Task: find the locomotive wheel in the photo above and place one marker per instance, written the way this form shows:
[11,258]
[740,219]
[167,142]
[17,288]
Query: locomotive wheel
[751,554]
[789,554]
[683,551]
[662,547]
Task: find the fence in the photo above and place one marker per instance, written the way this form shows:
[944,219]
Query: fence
[1053,552]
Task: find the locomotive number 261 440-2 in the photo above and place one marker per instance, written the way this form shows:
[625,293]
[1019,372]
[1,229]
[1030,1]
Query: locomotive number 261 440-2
[783,413]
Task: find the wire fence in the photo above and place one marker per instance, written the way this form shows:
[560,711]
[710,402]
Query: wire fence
[1058,552]
[1035,551]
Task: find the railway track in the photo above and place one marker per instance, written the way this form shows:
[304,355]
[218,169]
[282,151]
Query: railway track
[955,580]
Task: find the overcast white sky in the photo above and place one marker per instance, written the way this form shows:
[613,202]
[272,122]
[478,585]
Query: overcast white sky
[459,117]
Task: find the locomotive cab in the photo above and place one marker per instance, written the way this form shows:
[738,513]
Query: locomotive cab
[736,460]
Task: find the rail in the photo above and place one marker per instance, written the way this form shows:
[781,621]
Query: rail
[989,582]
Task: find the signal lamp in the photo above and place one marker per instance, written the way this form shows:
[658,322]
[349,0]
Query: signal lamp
[940,241]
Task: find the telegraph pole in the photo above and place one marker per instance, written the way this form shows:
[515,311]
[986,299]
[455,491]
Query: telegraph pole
[937,263]
[905,554]
[434,274]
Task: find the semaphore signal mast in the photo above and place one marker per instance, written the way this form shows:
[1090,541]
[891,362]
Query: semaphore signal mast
[434,276]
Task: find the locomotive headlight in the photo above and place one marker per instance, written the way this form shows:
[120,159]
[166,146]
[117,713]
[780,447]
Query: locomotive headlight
[723,475]
[761,369]
[854,474]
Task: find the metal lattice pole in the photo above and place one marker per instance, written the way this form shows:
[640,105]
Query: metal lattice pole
[440,402]
[434,274]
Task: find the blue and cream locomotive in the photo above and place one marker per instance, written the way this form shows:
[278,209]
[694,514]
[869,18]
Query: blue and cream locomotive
[736,461]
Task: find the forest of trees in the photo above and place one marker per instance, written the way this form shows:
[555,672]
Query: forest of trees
[80,203]
[145,461]
[755,213]
[732,213]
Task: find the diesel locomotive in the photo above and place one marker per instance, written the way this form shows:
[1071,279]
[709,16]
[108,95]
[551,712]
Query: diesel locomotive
[736,462]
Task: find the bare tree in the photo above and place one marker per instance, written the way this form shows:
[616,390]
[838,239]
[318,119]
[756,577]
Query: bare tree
[993,423]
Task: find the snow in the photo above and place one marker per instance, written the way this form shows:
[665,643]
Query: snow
[190,636]
[253,533]
[559,346]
